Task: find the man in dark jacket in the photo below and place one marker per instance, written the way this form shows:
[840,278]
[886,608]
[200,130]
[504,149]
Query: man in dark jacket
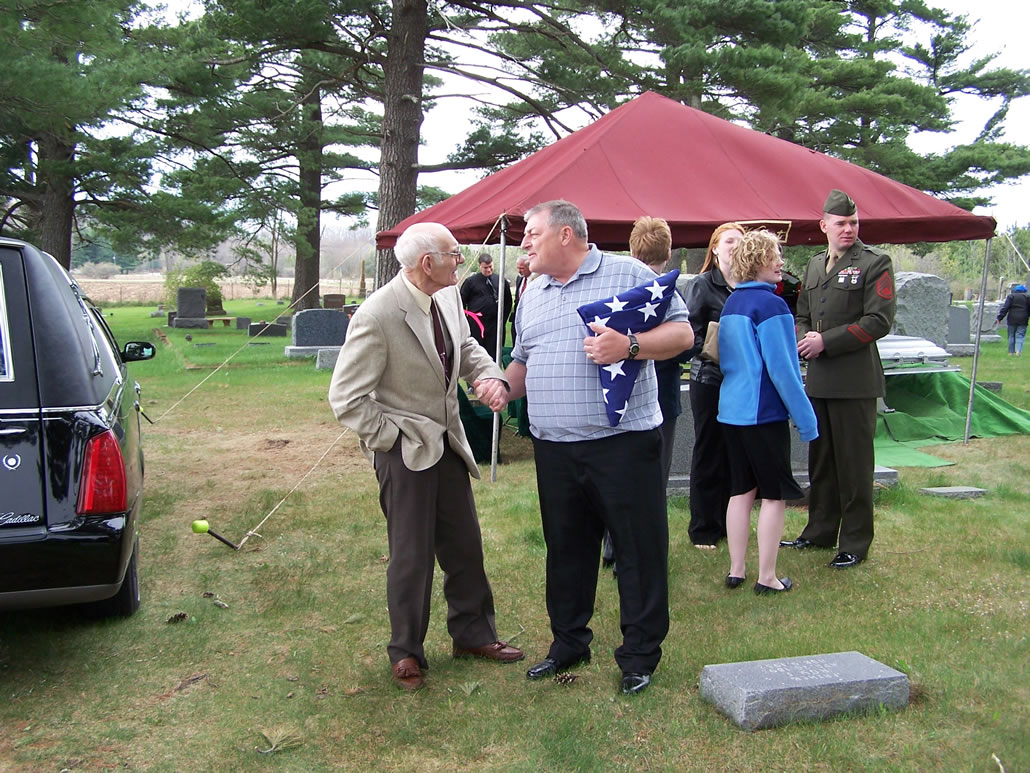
[1017,308]
[847,302]
[479,294]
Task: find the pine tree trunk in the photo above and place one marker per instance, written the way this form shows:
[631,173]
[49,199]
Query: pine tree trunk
[402,123]
[305,285]
[58,207]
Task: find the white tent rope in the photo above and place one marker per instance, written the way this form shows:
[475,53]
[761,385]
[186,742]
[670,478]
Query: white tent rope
[254,532]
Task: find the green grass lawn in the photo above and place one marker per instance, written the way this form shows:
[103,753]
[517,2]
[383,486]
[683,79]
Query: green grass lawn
[298,653]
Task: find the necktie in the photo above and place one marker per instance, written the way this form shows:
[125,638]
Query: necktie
[440,341]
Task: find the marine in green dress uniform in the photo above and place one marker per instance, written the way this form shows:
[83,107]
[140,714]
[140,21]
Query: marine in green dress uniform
[847,302]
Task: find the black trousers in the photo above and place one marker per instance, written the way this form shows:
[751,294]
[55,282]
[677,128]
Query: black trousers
[841,464]
[588,486]
[709,468]
[430,514]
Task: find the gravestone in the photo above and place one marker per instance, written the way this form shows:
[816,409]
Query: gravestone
[315,329]
[954,492]
[191,308]
[266,330]
[243,323]
[334,301]
[191,301]
[767,693]
[171,318]
[190,322]
[958,325]
[990,318]
[327,357]
[922,306]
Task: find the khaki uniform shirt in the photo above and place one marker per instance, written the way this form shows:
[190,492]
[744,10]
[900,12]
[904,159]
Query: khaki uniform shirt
[852,305]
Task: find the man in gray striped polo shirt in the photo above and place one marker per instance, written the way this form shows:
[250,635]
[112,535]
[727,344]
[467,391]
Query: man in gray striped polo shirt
[590,475]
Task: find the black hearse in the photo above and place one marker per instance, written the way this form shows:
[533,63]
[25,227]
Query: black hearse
[71,463]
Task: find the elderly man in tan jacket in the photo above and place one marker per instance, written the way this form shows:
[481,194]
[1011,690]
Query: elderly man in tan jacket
[395,384]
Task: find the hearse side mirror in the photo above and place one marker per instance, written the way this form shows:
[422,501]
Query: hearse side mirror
[138,350]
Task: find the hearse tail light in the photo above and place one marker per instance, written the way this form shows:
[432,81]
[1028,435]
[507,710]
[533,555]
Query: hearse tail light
[103,487]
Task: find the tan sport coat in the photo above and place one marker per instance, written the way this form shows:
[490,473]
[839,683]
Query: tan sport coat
[389,383]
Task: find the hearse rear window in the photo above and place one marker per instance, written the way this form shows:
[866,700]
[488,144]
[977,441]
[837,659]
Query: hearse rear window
[6,364]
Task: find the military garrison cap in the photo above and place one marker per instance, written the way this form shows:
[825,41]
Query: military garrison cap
[839,203]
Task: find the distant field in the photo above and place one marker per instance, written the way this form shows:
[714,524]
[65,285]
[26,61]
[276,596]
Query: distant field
[149,288]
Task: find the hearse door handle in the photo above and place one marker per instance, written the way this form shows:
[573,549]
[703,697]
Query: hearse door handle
[14,431]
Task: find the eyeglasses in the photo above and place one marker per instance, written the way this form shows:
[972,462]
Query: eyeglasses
[455,254]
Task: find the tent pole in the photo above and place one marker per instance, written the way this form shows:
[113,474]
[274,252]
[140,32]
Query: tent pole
[976,342]
[495,431]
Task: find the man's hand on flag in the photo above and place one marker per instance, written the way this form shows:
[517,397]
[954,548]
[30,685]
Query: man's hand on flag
[606,346]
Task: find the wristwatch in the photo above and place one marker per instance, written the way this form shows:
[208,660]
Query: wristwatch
[634,347]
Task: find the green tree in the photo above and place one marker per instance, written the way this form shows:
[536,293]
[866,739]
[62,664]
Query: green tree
[854,79]
[68,68]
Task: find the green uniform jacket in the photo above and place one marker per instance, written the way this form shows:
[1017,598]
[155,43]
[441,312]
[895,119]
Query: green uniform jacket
[852,307]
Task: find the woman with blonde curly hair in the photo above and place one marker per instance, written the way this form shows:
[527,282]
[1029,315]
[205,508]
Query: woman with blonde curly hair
[761,390]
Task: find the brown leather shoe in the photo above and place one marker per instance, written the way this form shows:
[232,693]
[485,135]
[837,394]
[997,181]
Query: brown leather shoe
[498,650]
[407,675]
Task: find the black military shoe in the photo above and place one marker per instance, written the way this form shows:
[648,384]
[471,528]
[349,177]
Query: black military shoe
[550,667]
[633,683]
[798,544]
[845,560]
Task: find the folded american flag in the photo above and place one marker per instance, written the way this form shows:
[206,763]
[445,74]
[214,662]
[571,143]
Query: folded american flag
[631,311]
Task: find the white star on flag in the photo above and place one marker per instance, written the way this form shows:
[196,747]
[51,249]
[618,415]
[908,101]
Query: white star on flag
[651,300]
[615,304]
[615,369]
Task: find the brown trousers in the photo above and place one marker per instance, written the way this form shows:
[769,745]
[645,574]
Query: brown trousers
[430,514]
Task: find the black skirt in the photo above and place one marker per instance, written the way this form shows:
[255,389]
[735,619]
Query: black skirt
[760,458]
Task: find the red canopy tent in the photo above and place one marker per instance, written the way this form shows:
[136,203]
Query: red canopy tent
[654,156]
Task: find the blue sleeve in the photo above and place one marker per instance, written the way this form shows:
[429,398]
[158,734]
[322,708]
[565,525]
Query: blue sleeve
[780,354]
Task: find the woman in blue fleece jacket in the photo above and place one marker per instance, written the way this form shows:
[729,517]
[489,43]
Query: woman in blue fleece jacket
[761,390]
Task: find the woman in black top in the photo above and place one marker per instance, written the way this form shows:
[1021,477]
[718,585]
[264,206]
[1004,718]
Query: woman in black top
[709,463]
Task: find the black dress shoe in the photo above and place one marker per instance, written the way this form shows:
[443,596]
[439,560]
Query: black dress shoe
[787,585]
[633,683]
[845,560]
[550,667]
[798,544]
[733,582]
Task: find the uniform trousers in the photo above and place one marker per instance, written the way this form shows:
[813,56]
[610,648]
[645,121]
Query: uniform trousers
[709,468]
[585,487]
[840,469]
[431,514]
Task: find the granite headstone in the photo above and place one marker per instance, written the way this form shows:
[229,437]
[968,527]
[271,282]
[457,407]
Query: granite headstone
[334,300]
[191,302]
[922,306]
[767,693]
[266,330]
[319,327]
